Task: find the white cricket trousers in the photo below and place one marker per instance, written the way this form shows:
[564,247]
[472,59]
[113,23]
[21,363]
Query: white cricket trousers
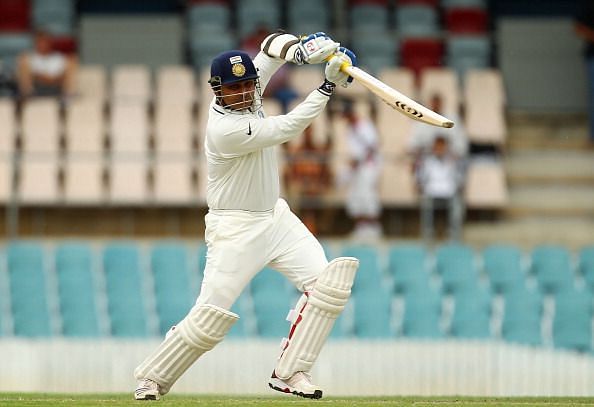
[241,243]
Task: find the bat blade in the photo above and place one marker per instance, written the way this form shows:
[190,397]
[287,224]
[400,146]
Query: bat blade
[396,100]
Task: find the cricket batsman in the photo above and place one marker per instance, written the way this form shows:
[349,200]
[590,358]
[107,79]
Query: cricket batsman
[248,226]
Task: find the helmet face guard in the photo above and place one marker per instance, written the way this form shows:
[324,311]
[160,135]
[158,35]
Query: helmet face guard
[230,68]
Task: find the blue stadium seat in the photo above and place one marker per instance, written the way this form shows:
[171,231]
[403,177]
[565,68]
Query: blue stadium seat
[173,291]
[253,13]
[76,288]
[464,52]
[209,17]
[572,323]
[201,253]
[28,294]
[373,315]
[124,280]
[55,16]
[503,265]
[472,313]
[522,316]
[307,16]
[586,265]
[368,17]
[375,52]
[242,327]
[11,45]
[552,267]
[205,47]
[369,276]
[269,280]
[271,308]
[417,20]
[422,315]
[455,263]
[408,266]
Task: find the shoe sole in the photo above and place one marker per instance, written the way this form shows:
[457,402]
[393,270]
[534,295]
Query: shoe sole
[148,398]
[315,395]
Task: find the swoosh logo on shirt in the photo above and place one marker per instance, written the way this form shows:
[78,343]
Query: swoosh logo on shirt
[249,132]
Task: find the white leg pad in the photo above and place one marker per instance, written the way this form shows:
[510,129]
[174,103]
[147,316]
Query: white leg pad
[204,327]
[313,325]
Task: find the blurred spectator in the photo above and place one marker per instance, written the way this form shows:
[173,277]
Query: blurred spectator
[440,178]
[584,27]
[307,177]
[45,72]
[279,86]
[363,204]
[423,135]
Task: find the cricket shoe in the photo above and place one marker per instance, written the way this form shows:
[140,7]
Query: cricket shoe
[147,390]
[299,384]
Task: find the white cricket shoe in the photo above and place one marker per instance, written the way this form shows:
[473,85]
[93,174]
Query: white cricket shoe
[147,390]
[299,384]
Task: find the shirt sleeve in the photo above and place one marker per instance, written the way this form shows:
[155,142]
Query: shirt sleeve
[266,67]
[250,133]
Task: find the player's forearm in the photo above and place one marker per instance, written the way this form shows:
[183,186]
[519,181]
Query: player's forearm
[266,66]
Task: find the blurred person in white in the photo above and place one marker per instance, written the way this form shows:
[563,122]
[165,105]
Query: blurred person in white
[248,226]
[45,72]
[363,204]
[423,135]
[440,177]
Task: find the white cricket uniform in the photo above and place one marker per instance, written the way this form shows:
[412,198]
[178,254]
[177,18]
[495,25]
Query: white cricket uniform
[363,195]
[248,226]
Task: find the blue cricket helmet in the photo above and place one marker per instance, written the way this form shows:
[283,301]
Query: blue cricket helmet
[230,67]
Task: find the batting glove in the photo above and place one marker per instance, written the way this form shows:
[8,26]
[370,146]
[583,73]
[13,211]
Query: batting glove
[311,49]
[333,72]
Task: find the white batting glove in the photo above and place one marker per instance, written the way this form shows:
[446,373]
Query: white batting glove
[332,70]
[312,49]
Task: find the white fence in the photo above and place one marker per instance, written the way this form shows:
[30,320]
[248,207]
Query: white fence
[344,368]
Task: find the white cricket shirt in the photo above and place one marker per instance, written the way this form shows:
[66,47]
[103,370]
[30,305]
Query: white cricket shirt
[240,149]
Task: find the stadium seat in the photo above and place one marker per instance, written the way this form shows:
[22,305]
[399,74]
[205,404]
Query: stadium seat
[408,266]
[85,126]
[128,183]
[465,52]
[91,82]
[472,313]
[484,98]
[455,263]
[422,315]
[129,127]
[75,267]
[368,17]
[572,322]
[244,325]
[417,20]
[41,126]
[271,308]
[205,48]
[175,86]
[83,179]
[11,46]
[55,16]
[420,53]
[209,17]
[446,4]
[444,83]
[397,185]
[123,283]
[28,293]
[586,264]
[375,52]
[307,16]
[172,180]
[369,277]
[522,315]
[173,291]
[373,314]
[269,280]
[503,265]
[486,185]
[6,176]
[173,127]
[551,265]
[466,20]
[254,13]
[131,83]
[14,15]
[8,128]
[38,183]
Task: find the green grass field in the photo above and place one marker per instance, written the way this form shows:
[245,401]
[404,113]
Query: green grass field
[40,399]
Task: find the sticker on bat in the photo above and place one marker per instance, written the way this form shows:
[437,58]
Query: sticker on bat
[404,107]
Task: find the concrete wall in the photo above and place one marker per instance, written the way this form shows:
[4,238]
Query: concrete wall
[542,64]
[344,368]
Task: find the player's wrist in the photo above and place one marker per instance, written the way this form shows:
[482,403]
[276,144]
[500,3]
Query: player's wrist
[327,88]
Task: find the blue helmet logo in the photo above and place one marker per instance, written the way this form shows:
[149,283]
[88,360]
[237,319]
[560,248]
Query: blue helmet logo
[230,67]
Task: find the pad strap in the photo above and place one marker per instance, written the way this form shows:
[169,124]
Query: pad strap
[315,321]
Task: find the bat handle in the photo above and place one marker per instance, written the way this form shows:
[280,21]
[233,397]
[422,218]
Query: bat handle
[343,66]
